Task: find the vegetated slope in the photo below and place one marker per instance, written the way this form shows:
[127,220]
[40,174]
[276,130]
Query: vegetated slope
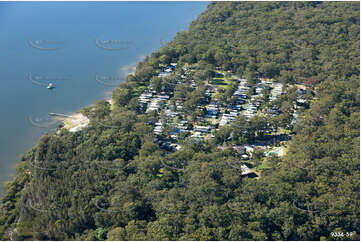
[64,189]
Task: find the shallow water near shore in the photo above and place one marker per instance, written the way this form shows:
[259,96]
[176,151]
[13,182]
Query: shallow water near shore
[69,44]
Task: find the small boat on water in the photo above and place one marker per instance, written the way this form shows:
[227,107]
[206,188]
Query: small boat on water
[50,86]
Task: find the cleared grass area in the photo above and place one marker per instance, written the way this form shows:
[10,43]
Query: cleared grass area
[112,106]
[68,124]
[285,131]
[263,166]
[218,82]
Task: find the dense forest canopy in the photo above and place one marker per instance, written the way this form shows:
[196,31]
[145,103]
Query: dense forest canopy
[66,187]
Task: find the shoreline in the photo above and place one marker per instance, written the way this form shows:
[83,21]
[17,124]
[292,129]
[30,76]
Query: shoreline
[77,121]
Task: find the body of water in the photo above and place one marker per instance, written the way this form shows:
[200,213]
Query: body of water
[69,44]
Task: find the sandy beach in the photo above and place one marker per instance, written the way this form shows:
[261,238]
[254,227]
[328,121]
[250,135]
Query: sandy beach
[110,101]
[76,122]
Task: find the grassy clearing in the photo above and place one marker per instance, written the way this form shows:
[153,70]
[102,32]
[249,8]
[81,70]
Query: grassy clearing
[219,82]
[68,124]
[112,106]
[285,131]
[263,166]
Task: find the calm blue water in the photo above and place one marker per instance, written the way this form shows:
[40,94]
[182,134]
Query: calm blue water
[57,41]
